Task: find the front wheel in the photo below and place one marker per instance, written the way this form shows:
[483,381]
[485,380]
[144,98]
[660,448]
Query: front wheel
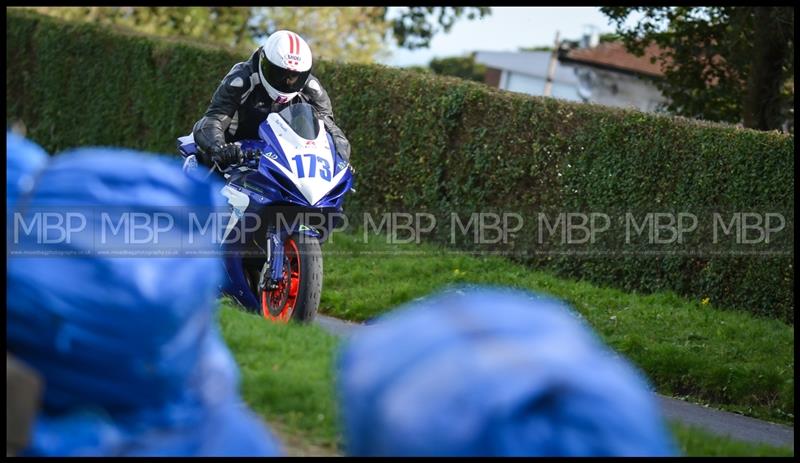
[298,293]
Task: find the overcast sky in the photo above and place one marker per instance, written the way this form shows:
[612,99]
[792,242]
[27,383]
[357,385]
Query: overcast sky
[506,29]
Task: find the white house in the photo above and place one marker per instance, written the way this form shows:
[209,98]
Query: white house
[604,73]
[526,72]
[609,75]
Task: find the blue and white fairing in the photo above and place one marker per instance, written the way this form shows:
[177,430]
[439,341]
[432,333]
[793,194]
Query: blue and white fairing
[298,162]
[317,176]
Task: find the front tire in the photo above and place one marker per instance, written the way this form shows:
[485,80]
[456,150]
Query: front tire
[298,294]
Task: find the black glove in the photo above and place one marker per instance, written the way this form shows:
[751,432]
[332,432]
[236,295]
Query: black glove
[226,155]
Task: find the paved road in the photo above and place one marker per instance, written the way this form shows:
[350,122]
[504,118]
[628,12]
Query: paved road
[724,423]
[719,422]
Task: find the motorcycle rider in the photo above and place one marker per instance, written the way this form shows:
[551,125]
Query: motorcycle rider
[276,75]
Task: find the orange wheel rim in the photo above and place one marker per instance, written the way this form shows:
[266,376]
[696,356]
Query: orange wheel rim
[285,295]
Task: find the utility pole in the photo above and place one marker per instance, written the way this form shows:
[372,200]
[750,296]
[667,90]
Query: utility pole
[551,68]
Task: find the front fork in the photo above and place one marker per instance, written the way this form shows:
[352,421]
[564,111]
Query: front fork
[272,272]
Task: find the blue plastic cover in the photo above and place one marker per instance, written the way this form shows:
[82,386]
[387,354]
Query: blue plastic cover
[21,167]
[128,347]
[492,372]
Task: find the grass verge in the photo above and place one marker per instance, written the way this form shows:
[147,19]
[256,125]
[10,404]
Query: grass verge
[690,350]
[286,373]
[288,378]
[694,441]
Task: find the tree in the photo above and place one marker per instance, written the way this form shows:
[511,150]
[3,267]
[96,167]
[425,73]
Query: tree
[229,26]
[359,34]
[547,48]
[342,34]
[464,67]
[355,34]
[609,37]
[723,63]
[413,27]
[419,69]
[606,37]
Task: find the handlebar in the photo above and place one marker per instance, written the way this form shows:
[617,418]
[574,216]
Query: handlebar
[251,155]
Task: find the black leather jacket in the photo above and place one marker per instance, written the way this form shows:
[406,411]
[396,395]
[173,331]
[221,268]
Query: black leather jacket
[241,103]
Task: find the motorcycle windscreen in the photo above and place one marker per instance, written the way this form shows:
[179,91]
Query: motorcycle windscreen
[302,120]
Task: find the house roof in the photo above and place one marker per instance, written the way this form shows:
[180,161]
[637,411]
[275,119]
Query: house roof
[614,56]
[532,63]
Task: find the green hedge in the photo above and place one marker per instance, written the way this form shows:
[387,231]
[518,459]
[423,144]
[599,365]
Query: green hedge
[423,142]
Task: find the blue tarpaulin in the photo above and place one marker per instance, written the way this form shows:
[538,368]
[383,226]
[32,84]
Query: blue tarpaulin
[27,160]
[492,372]
[128,347]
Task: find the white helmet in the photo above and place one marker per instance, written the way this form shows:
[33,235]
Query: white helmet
[284,65]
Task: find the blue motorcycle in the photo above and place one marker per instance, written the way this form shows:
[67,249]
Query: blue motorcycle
[285,198]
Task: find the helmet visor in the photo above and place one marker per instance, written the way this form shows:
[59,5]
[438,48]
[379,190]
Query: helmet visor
[283,80]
